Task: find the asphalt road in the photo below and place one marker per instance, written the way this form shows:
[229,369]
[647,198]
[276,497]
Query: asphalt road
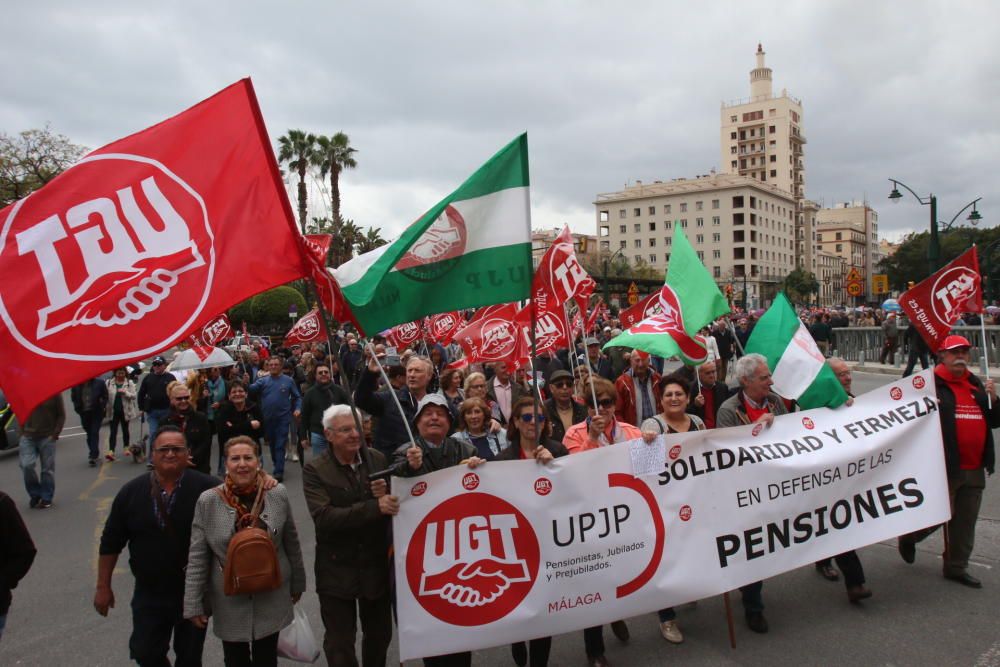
[915,617]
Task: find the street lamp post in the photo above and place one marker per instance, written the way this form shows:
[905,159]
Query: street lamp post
[934,244]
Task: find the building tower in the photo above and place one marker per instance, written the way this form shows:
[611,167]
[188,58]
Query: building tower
[761,137]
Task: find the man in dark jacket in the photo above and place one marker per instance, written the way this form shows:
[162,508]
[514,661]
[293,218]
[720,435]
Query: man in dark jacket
[17,553]
[726,343]
[315,401]
[595,360]
[193,424]
[918,350]
[969,411]
[390,429]
[351,514]
[562,411]
[712,394]
[39,434]
[152,398]
[352,361]
[90,400]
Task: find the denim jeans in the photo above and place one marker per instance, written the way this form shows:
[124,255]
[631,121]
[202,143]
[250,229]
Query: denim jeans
[318,443]
[276,433]
[153,418]
[31,451]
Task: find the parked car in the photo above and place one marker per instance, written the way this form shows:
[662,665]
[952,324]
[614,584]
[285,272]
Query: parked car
[11,428]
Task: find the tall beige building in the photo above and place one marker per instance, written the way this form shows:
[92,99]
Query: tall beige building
[850,231]
[762,138]
[742,229]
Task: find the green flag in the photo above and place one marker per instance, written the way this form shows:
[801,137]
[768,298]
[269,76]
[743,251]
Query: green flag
[688,301]
[797,366]
[473,248]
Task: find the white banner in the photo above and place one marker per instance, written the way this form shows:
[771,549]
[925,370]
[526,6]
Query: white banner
[516,550]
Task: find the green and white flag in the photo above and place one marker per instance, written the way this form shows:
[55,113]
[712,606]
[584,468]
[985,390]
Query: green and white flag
[797,366]
[688,300]
[473,248]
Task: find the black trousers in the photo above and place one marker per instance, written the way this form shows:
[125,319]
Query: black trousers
[538,651]
[340,619]
[155,617]
[850,565]
[118,421]
[261,652]
[450,660]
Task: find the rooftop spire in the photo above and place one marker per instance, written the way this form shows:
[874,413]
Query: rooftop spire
[760,77]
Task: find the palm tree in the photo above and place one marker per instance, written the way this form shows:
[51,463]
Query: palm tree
[298,149]
[371,240]
[333,155]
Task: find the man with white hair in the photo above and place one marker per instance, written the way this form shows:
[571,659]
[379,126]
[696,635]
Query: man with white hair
[754,403]
[390,429]
[351,513]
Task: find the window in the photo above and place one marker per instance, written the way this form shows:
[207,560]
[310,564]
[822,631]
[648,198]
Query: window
[623,244]
[621,229]
[699,238]
[684,223]
[668,225]
[732,119]
[638,259]
[716,237]
[603,216]
[715,203]
[621,213]
[770,129]
[698,205]
[732,136]
[753,202]
[737,218]
[774,173]
[717,271]
[840,247]
[733,164]
[637,227]
[652,259]
[636,211]
[716,254]
[684,207]
[667,241]
[773,158]
[699,222]
[739,253]
[839,236]
[637,243]
[652,242]
[701,256]
[652,226]
[738,236]
[738,202]
[715,220]
[666,209]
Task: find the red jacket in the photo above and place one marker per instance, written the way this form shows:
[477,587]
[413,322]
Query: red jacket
[625,408]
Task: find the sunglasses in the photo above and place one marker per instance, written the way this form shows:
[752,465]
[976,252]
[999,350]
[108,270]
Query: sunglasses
[182,398]
[562,384]
[606,402]
[527,418]
[170,450]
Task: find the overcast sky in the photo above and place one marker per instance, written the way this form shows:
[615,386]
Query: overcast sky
[608,92]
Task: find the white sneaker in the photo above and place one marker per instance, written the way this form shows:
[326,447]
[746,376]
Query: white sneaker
[295,457]
[671,632]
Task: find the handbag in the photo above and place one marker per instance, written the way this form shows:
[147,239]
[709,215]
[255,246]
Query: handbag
[251,559]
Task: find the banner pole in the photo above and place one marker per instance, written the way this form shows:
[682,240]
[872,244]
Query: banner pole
[729,620]
[570,343]
[535,390]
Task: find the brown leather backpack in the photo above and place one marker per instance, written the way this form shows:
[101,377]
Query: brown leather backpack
[251,559]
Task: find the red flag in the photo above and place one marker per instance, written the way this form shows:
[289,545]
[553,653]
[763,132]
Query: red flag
[560,277]
[203,351]
[216,330]
[443,327]
[315,248]
[936,303]
[491,336]
[125,253]
[309,329]
[595,312]
[550,332]
[403,335]
[646,308]
[246,334]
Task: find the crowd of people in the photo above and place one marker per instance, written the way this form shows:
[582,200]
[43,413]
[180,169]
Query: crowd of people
[415,414]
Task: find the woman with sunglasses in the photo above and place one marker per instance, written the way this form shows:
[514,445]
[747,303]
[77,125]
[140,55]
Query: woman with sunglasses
[675,396]
[600,429]
[528,433]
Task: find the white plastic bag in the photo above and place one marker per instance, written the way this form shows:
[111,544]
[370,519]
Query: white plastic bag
[297,641]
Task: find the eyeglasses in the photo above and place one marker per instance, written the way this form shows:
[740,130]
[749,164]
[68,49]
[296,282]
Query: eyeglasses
[170,450]
[182,398]
[322,372]
[606,402]
[527,418]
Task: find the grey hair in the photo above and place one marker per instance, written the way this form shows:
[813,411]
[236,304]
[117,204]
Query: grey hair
[335,412]
[424,360]
[747,365]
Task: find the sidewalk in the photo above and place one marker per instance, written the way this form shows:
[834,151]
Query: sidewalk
[891,369]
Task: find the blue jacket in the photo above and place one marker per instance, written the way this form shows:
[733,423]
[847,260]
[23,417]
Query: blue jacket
[279,396]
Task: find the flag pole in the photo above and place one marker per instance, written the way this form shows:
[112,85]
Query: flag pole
[392,392]
[590,374]
[570,338]
[535,390]
[982,331]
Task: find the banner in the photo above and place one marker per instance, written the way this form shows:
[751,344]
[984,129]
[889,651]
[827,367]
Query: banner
[127,252]
[309,329]
[514,550]
[936,303]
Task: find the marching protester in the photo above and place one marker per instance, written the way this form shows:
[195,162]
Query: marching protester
[280,402]
[474,429]
[969,411]
[390,429]
[754,403]
[90,399]
[917,350]
[890,329]
[600,429]
[712,393]
[432,449]
[17,553]
[152,516]
[848,562]
[37,445]
[503,391]
[122,409]
[528,433]
[596,360]
[726,344]
[237,416]
[320,396]
[153,400]
[247,623]
[351,513]
[562,411]
[193,424]
[638,390]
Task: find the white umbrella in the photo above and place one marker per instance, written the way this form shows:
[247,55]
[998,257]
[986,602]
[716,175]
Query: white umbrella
[190,360]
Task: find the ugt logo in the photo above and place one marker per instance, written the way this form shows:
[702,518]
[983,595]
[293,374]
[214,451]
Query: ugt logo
[109,256]
[951,292]
[308,328]
[472,560]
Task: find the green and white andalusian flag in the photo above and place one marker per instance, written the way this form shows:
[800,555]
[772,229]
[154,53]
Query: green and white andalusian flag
[473,248]
[797,366]
[688,300]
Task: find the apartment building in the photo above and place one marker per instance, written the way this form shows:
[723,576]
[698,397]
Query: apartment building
[850,231]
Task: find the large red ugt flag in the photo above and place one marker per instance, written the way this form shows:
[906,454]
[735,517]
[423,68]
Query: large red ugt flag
[936,303]
[138,244]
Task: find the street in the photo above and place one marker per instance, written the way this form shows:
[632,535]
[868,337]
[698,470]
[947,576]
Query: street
[916,617]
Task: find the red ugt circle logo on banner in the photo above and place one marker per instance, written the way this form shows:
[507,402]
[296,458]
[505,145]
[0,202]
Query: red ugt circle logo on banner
[472,560]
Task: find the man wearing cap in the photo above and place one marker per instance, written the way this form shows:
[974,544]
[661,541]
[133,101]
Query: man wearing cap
[562,411]
[638,393]
[595,360]
[152,398]
[968,411]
